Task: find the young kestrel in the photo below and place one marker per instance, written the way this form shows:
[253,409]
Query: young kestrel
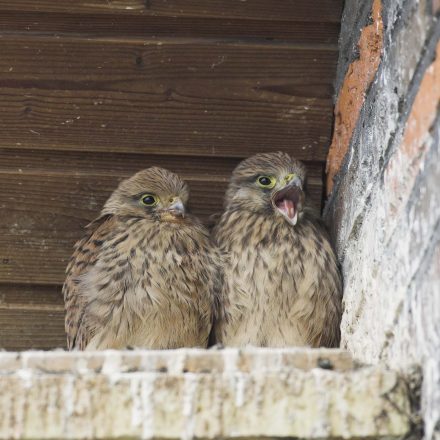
[282,283]
[145,274]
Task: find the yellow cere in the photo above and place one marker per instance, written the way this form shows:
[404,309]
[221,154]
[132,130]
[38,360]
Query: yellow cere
[149,199]
[289,177]
[266,181]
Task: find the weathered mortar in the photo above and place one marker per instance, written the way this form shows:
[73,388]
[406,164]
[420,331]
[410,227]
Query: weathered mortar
[188,393]
[351,94]
[385,208]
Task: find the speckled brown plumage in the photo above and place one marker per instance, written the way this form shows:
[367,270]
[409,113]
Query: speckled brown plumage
[142,276]
[282,283]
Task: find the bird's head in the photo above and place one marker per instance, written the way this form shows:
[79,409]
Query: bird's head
[269,184]
[155,193]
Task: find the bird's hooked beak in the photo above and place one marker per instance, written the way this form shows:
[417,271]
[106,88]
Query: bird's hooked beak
[289,201]
[175,208]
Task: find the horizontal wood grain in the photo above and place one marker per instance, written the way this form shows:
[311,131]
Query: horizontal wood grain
[31,317]
[171,122]
[143,65]
[193,97]
[44,212]
[289,10]
[219,99]
[26,329]
[62,203]
[31,296]
[37,258]
[205,175]
[92,91]
[148,26]
[42,162]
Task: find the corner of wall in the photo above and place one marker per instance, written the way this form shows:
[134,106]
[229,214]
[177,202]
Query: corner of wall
[383,177]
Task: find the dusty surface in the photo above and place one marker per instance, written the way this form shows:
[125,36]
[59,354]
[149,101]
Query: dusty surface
[385,209]
[198,393]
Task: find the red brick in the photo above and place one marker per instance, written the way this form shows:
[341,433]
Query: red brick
[351,97]
[405,164]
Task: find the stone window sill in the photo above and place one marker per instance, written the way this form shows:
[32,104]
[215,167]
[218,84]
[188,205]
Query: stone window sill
[192,393]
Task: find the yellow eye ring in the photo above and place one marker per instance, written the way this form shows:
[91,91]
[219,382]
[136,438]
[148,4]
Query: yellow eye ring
[267,182]
[149,199]
[289,177]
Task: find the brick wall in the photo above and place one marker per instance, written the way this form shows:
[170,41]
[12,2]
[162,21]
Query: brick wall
[384,178]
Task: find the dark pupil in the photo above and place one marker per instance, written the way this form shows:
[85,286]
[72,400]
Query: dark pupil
[149,200]
[264,181]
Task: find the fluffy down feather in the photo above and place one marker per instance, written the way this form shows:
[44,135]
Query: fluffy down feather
[282,282]
[144,275]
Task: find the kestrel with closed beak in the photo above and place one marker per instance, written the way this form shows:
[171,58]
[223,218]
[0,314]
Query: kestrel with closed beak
[145,274]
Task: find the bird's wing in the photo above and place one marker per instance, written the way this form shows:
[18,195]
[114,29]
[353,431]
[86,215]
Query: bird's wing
[85,255]
[325,332]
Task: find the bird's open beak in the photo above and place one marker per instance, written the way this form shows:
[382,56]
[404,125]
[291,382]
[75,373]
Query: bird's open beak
[176,208]
[289,201]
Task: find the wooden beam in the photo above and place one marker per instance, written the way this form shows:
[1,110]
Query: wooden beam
[210,169]
[40,297]
[31,317]
[147,26]
[173,122]
[75,60]
[29,329]
[196,98]
[289,10]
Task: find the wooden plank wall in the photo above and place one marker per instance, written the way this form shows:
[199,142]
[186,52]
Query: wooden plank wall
[92,91]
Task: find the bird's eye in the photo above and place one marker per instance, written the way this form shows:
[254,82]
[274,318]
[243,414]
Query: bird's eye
[289,177]
[149,200]
[266,181]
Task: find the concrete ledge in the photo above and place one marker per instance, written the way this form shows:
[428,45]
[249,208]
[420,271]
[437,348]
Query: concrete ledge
[198,393]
